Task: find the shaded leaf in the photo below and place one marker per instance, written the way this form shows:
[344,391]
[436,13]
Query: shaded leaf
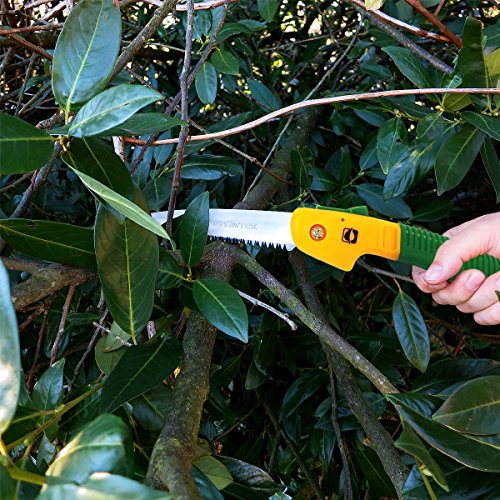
[53,241]
[215,470]
[48,391]
[410,443]
[169,272]
[8,487]
[143,124]
[23,148]
[456,156]
[140,369]
[206,83]
[102,446]
[487,124]
[210,167]
[107,360]
[473,408]
[264,95]
[85,52]
[373,196]
[225,62]
[391,147]
[302,161]
[206,488]
[194,229]
[491,162]
[267,9]
[10,354]
[111,108]
[103,486]
[411,330]
[157,192]
[127,261]
[151,409]
[220,303]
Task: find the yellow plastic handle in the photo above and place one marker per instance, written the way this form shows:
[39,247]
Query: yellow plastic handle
[340,238]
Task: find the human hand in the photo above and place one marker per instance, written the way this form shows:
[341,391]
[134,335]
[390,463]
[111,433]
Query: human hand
[470,292]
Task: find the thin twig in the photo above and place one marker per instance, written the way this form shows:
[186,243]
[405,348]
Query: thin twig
[184,84]
[15,183]
[39,344]
[6,59]
[30,29]
[25,82]
[62,324]
[377,270]
[28,45]
[318,102]
[271,309]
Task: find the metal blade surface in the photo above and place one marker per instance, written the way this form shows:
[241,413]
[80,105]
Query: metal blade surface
[254,227]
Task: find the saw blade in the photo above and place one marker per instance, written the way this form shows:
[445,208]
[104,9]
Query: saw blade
[253,227]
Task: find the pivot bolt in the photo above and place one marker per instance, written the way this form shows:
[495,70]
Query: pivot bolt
[317,232]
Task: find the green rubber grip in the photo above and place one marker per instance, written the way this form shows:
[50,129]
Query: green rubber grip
[418,247]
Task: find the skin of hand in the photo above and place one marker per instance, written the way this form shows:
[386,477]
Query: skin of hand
[470,292]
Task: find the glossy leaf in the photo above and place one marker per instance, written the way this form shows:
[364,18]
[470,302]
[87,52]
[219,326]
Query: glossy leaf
[206,84]
[134,212]
[302,162]
[85,52]
[140,369]
[143,124]
[169,272]
[264,96]
[103,486]
[52,241]
[48,391]
[430,127]
[209,167]
[215,470]
[411,330]
[267,9]
[127,261]
[456,156]
[102,446]
[391,147]
[206,488]
[220,303]
[97,159]
[157,192]
[151,409]
[412,67]
[473,408]
[373,196]
[23,147]
[491,162]
[478,452]
[487,124]
[410,443]
[111,108]
[194,229]
[8,487]
[10,354]
[225,62]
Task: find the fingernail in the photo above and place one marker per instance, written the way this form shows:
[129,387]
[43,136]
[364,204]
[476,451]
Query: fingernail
[433,273]
[474,281]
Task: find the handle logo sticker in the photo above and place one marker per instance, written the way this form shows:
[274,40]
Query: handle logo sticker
[350,235]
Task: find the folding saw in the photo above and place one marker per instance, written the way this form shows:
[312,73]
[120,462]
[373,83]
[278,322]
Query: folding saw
[336,236]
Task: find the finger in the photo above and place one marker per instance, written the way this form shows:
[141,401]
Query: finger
[418,277]
[461,290]
[489,316]
[484,297]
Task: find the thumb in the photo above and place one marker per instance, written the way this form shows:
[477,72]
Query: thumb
[453,253]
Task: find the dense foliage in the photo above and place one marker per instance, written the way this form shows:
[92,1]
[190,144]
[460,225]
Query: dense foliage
[138,361]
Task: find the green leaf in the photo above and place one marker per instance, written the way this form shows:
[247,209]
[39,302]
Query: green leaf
[267,9]
[102,446]
[157,192]
[206,488]
[205,83]
[490,160]
[302,161]
[111,108]
[48,391]
[322,180]
[169,272]
[374,4]
[127,261]
[220,303]
[8,487]
[411,330]
[391,147]
[430,127]
[473,408]
[487,124]
[477,452]
[151,409]
[140,369]
[210,167]
[215,470]
[410,443]
[10,354]
[53,241]
[373,196]
[456,156]
[85,52]
[265,97]
[144,123]
[97,159]
[225,62]
[23,148]
[116,339]
[194,229]
[107,360]
[125,207]
[103,486]
[412,67]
